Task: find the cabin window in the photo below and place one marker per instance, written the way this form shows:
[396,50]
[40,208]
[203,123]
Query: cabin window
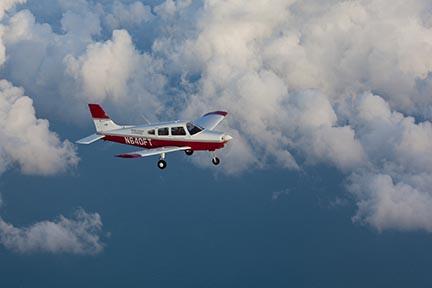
[151,132]
[178,131]
[192,128]
[163,131]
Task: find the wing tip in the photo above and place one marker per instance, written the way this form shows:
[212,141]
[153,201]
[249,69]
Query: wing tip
[222,113]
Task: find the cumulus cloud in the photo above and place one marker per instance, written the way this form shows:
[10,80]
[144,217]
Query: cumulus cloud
[106,68]
[74,68]
[394,189]
[4,7]
[342,83]
[385,204]
[77,235]
[112,71]
[26,141]
[123,15]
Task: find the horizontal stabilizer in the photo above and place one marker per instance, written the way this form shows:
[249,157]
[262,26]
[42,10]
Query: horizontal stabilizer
[90,139]
[151,152]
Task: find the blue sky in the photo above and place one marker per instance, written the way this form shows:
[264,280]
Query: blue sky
[325,184]
[222,231]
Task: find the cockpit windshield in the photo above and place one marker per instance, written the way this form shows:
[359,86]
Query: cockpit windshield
[193,129]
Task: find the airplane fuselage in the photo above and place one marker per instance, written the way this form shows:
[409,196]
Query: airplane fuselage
[177,133]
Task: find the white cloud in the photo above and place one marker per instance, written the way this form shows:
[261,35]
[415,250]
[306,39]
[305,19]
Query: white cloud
[393,190]
[5,5]
[111,71]
[78,235]
[71,66]
[123,15]
[26,141]
[106,68]
[388,205]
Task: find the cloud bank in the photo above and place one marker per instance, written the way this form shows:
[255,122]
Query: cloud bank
[26,142]
[340,83]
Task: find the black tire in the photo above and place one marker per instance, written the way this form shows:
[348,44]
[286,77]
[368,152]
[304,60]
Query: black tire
[189,152]
[215,161]
[162,164]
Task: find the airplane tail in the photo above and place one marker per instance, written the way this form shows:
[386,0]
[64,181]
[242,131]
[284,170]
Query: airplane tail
[101,120]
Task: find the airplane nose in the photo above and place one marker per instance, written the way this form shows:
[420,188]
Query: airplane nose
[226,138]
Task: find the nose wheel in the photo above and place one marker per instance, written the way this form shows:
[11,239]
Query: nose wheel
[189,152]
[215,160]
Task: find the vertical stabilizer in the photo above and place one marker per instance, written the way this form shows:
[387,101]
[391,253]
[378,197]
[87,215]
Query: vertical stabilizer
[101,120]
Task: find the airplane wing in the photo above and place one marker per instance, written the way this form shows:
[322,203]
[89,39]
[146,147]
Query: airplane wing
[151,152]
[90,139]
[210,120]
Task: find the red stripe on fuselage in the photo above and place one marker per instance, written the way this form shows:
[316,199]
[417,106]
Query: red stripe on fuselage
[156,143]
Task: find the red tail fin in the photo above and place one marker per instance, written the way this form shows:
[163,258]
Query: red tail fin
[101,120]
[97,112]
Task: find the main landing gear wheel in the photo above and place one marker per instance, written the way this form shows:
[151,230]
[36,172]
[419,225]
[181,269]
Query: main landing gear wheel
[215,160]
[189,152]
[162,164]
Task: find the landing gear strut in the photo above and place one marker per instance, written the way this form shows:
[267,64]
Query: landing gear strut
[162,164]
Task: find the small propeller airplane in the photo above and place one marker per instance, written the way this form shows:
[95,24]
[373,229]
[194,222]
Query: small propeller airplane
[161,138]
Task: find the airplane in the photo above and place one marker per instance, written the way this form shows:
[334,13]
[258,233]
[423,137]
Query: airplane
[161,138]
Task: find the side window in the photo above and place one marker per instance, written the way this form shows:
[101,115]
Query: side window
[178,131]
[151,132]
[163,131]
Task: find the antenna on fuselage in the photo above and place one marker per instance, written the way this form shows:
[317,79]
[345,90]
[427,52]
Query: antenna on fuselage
[145,119]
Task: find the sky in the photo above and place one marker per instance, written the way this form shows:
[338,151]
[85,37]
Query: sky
[325,184]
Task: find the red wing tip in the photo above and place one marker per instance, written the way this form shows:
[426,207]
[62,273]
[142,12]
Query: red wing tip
[128,155]
[222,113]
